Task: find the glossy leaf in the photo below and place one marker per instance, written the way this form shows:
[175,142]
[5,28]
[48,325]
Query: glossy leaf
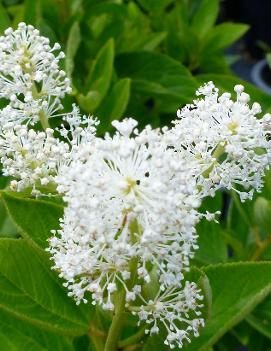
[29,292]
[17,335]
[115,104]
[7,227]
[154,5]
[153,40]
[100,76]
[4,19]
[212,246]
[223,35]
[260,319]
[73,42]
[156,342]
[90,101]
[205,17]
[32,12]
[237,289]
[262,213]
[34,218]
[157,75]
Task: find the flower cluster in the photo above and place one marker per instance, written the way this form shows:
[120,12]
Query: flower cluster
[30,77]
[30,156]
[173,308]
[132,198]
[229,143]
[122,208]
[32,82]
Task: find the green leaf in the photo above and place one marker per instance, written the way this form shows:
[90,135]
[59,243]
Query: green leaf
[257,342]
[29,291]
[47,31]
[205,17]
[55,15]
[227,83]
[98,24]
[157,75]
[212,247]
[204,285]
[4,19]
[32,12]
[90,101]
[151,41]
[215,63]
[198,276]
[35,218]
[222,36]
[260,319]
[73,42]
[262,213]
[115,104]
[155,342]
[101,72]
[76,6]
[154,5]
[239,226]
[237,289]
[17,335]
[82,343]
[7,227]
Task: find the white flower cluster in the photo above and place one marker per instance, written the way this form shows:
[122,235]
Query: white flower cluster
[229,143]
[132,198]
[34,158]
[32,82]
[133,203]
[30,77]
[31,157]
[124,219]
[174,308]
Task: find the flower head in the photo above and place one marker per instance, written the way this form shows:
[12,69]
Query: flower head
[225,138]
[124,220]
[178,310]
[122,205]
[31,157]
[30,77]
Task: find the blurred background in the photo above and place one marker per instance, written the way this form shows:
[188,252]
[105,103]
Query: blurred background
[145,59]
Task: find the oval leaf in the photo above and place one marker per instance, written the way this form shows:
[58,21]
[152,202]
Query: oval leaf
[34,218]
[115,105]
[236,290]
[28,291]
[101,72]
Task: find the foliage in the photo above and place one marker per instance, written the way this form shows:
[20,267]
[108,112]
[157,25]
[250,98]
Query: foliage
[140,58]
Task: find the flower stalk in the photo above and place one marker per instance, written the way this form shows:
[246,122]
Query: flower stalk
[115,329]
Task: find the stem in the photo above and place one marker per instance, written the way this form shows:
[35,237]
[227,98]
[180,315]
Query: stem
[96,333]
[240,209]
[44,120]
[133,338]
[116,325]
[133,347]
[262,246]
[218,151]
[42,116]
[93,331]
[97,342]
